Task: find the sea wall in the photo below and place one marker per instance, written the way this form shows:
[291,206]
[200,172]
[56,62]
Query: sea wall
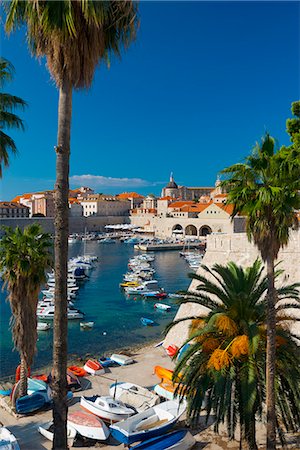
[76,224]
[236,247]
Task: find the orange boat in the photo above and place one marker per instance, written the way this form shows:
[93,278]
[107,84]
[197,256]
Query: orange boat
[172,350]
[164,374]
[78,371]
[42,377]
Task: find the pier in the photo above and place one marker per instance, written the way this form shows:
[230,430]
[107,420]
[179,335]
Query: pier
[161,247]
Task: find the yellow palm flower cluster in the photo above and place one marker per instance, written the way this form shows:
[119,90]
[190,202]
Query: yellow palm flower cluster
[240,346]
[226,325]
[219,359]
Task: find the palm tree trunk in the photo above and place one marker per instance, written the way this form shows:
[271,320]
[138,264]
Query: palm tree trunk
[251,436]
[59,384]
[23,377]
[271,356]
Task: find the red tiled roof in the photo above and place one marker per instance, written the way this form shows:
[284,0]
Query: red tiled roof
[130,195]
[227,208]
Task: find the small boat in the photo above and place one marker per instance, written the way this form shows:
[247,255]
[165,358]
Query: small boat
[147,322]
[43,326]
[48,313]
[94,367]
[30,403]
[133,395]
[8,440]
[129,284]
[122,360]
[78,371]
[165,389]
[172,350]
[174,296]
[106,362]
[154,294]
[36,385]
[154,421]
[86,325]
[176,440]
[162,306]
[88,425]
[162,373]
[47,431]
[73,382]
[107,408]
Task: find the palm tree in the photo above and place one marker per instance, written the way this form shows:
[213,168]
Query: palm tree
[24,257]
[265,189]
[224,367]
[74,36]
[8,103]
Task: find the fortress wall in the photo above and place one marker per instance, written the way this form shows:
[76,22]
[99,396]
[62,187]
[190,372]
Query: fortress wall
[235,247]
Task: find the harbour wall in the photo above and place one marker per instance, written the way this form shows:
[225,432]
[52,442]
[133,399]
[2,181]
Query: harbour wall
[76,224]
[222,249]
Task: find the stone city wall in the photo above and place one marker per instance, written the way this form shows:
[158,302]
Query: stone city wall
[235,247]
[76,224]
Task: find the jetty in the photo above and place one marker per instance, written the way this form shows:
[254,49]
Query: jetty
[168,246]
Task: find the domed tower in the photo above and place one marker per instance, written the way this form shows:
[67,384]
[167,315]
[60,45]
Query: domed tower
[171,190]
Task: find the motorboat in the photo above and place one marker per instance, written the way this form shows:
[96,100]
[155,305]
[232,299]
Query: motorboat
[176,440]
[155,294]
[107,408]
[122,360]
[48,313]
[43,326]
[94,367]
[7,440]
[154,421]
[87,325]
[133,395]
[47,431]
[162,306]
[147,322]
[88,425]
[106,362]
[147,286]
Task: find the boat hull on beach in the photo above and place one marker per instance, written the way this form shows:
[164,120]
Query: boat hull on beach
[8,440]
[88,426]
[176,440]
[153,422]
[106,408]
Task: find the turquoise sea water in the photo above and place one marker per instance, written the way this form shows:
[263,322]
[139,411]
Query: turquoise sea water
[117,318]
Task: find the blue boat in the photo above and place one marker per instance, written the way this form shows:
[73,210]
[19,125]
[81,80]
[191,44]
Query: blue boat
[176,440]
[147,322]
[30,403]
[153,422]
[106,362]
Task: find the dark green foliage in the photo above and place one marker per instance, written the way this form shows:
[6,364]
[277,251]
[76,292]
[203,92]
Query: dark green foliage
[233,389]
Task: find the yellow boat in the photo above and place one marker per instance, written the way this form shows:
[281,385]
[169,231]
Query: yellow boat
[130,284]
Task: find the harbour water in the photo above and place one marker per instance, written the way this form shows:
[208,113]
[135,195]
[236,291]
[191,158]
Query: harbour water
[117,318]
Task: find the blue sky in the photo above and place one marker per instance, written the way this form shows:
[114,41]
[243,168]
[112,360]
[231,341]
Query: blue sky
[202,83]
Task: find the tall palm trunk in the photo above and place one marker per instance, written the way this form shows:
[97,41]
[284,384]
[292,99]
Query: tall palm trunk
[271,356]
[23,377]
[251,436]
[61,266]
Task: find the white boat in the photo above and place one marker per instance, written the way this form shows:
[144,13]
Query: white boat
[162,306]
[88,425]
[107,408]
[48,313]
[8,440]
[123,360]
[147,286]
[47,431]
[43,326]
[153,422]
[133,395]
[50,293]
[87,325]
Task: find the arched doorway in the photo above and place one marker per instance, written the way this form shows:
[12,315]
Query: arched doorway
[177,230]
[204,230]
[191,230]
